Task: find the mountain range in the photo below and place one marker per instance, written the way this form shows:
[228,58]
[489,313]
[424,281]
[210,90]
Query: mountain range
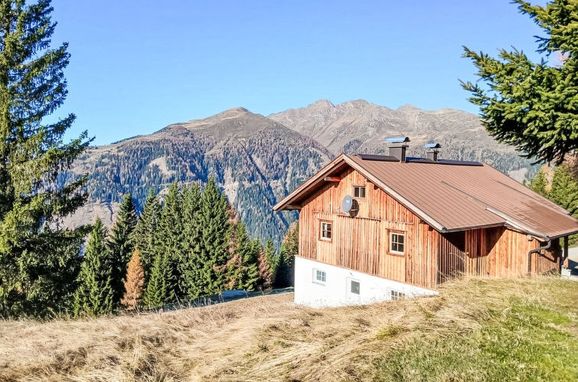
[259,159]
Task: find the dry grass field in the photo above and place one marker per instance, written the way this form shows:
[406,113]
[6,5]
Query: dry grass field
[477,329]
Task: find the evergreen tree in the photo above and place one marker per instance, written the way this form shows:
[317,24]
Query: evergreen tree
[134,283]
[144,235]
[529,105]
[36,257]
[539,183]
[94,295]
[190,266]
[564,190]
[160,287]
[213,220]
[289,249]
[243,267]
[170,238]
[120,244]
[268,262]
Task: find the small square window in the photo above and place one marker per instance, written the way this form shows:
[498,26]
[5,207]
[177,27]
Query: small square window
[397,243]
[326,231]
[354,287]
[359,191]
[395,295]
[319,276]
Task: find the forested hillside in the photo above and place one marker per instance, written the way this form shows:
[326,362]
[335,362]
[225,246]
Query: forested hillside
[254,159]
[258,160]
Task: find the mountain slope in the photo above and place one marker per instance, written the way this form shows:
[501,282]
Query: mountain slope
[255,159]
[360,126]
[476,330]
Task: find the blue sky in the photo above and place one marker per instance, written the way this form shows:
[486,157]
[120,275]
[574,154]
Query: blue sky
[137,66]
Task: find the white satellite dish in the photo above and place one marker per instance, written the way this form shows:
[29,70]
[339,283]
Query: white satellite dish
[349,206]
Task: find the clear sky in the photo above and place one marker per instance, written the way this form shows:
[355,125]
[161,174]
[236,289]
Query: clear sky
[137,66]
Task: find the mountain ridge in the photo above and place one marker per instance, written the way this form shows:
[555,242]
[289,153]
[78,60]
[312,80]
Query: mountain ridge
[259,159]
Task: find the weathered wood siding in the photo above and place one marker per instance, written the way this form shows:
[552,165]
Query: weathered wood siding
[362,243]
[497,252]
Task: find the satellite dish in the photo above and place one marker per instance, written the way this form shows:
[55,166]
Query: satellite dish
[349,206]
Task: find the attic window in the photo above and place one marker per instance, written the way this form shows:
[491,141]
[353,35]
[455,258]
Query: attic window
[397,243]
[359,191]
[325,230]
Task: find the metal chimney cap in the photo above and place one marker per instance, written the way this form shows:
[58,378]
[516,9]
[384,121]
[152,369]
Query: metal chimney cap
[398,139]
[432,145]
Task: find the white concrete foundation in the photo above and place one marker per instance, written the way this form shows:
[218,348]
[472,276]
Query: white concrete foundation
[337,289]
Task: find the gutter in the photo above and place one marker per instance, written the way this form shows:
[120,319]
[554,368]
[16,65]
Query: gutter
[539,252]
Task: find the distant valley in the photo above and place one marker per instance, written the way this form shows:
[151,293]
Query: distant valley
[258,159]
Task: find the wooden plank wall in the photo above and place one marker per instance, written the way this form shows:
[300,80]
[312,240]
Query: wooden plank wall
[497,252]
[362,243]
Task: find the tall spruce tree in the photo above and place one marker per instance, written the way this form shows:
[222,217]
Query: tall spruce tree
[539,183]
[159,290]
[120,244]
[94,295]
[215,226]
[36,258]
[533,105]
[190,265]
[170,238]
[144,235]
[289,249]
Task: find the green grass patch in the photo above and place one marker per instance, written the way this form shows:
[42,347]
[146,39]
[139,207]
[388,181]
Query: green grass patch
[525,341]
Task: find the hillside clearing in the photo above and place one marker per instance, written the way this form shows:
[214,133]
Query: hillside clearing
[477,329]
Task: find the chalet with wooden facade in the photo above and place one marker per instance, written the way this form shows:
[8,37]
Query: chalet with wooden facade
[378,227]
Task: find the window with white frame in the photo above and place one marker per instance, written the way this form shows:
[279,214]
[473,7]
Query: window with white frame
[325,230]
[319,276]
[397,243]
[354,287]
[359,191]
[395,295]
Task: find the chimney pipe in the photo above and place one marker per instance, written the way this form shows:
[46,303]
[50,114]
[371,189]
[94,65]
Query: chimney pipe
[433,149]
[398,147]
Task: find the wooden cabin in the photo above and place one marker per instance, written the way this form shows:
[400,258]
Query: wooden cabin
[378,227]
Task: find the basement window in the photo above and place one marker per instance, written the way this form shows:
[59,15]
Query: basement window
[354,287]
[359,191]
[319,276]
[395,295]
[397,243]
[325,230]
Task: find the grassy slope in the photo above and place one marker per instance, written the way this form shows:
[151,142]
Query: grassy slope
[477,329]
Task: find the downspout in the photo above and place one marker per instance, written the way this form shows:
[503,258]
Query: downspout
[539,252]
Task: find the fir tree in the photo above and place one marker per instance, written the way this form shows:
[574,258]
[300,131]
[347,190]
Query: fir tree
[532,105]
[160,287]
[564,189]
[243,267]
[289,249]
[134,282]
[120,244]
[36,258]
[94,295]
[539,183]
[144,235]
[213,220]
[170,238]
[190,265]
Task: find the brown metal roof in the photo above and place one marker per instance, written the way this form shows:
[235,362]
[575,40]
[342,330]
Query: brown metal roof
[453,196]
